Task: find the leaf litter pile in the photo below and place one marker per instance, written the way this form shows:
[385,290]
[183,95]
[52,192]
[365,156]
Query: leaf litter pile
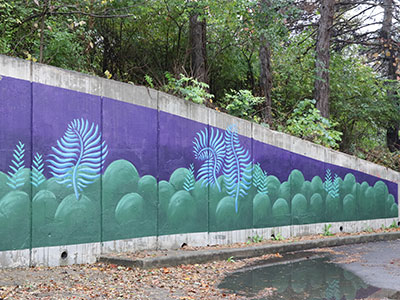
[108,281]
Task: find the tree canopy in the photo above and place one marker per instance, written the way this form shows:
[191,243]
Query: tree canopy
[272,62]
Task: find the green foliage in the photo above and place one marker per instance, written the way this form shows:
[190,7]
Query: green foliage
[277,237]
[149,80]
[306,122]
[242,104]
[369,229]
[394,225]
[230,259]
[327,228]
[255,239]
[188,88]
[359,101]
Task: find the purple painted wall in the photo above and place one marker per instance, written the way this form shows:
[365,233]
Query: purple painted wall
[147,186]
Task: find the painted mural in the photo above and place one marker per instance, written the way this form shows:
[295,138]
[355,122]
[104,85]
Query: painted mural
[78,168]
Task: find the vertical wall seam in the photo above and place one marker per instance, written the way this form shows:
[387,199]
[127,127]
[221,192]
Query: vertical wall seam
[252,173]
[31,158]
[158,171]
[208,186]
[101,174]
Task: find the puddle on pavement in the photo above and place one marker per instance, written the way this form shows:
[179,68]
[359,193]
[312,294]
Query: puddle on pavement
[302,278]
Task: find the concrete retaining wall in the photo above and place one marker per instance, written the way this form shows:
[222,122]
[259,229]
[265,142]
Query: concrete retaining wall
[146,152]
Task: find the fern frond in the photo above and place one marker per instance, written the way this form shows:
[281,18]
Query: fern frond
[15,179]
[328,180]
[238,166]
[260,179]
[189,180]
[334,192]
[79,156]
[209,148]
[331,185]
[37,176]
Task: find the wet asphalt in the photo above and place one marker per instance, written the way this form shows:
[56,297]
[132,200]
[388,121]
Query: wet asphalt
[376,263]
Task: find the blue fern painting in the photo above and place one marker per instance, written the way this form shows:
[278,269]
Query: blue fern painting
[209,148]
[237,168]
[79,156]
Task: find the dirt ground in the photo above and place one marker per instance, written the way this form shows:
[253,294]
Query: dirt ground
[102,281]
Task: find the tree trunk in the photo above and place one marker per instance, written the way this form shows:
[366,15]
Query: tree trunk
[390,65]
[42,24]
[266,78]
[321,84]
[265,71]
[198,51]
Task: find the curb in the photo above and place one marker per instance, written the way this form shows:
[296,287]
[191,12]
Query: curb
[203,256]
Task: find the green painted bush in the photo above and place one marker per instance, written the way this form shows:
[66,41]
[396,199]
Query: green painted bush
[200,196]
[388,205]
[368,204]
[44,206]
[381,193]
[215,195]
[261,210]
[348,183]
[4,188]
[281,212]
[130,209]
[317,186]
[306,190]
[273,185]
[93,190]
[119,179]
[284,191]
[225,214]
[356,192]
[76,221]
[333,209]
[349,208]
[76,212]
[296,180]
[394,211]
[165,192]
[299,209]
[178,177]
[200,193]
[59,190]
[317,208]
[181,211]
[14,220]
[147,188]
